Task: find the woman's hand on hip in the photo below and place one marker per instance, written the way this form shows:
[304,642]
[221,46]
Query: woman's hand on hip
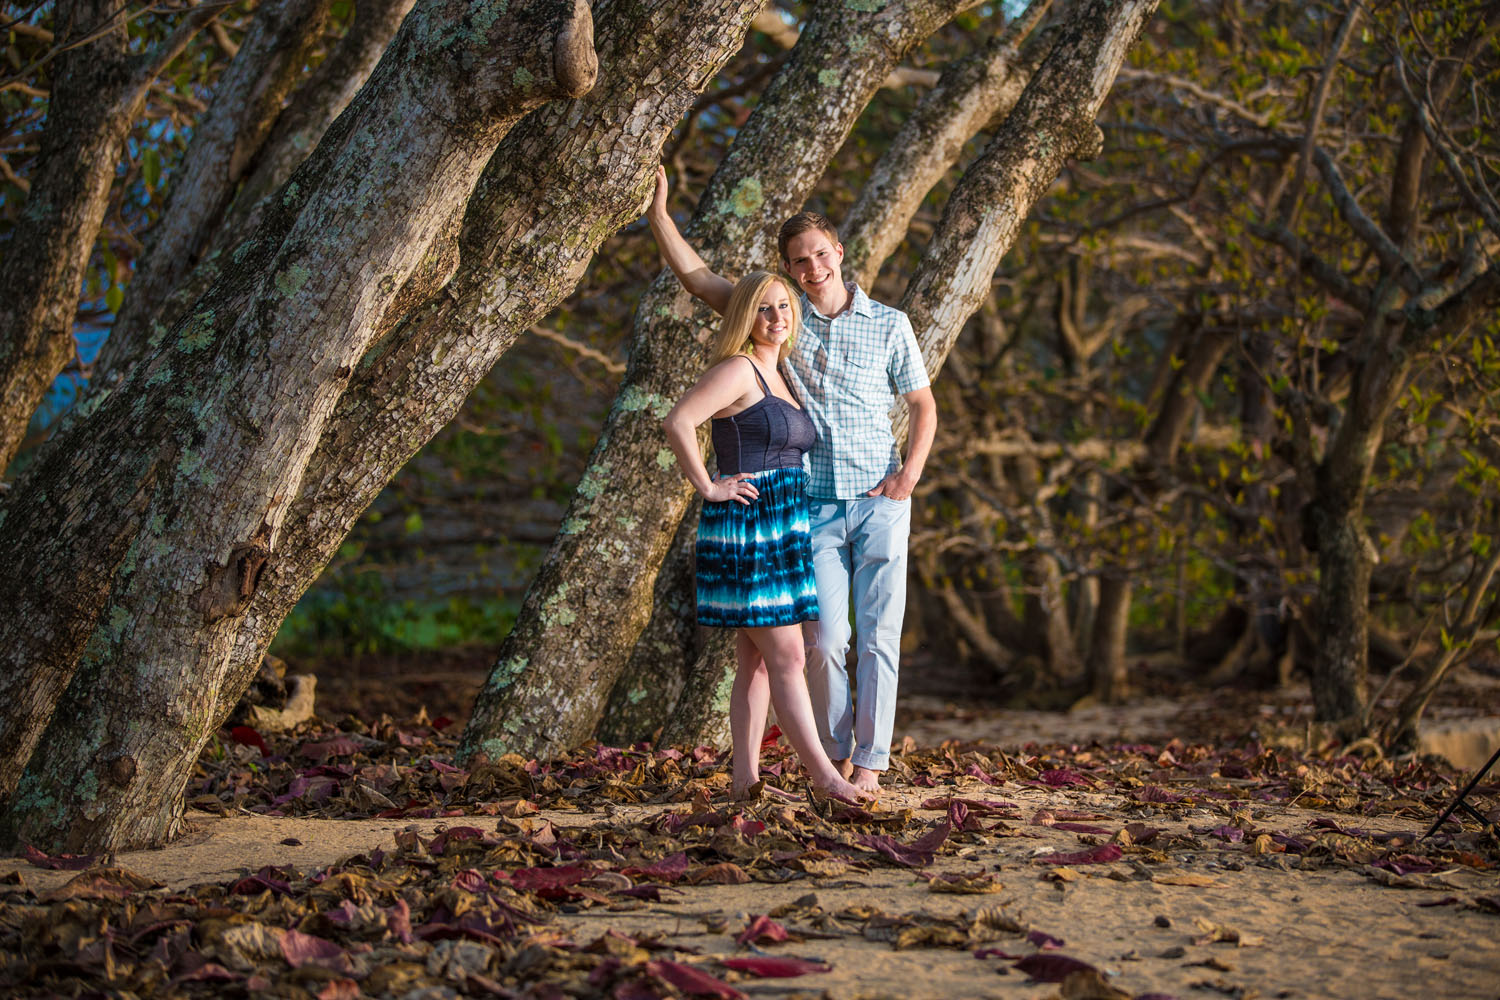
[736,487]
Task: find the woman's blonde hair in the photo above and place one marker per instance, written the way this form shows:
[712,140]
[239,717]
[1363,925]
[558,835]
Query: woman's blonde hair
[739,319]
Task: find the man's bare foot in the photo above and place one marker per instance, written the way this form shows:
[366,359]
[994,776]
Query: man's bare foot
[866,780]
[844,767]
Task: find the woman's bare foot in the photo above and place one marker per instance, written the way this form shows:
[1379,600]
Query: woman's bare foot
[866,780]
[842,790]
[844,767]
[747,793]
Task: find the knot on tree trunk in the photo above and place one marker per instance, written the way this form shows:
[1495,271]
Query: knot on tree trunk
[575,64]
[121,771]
[229,586]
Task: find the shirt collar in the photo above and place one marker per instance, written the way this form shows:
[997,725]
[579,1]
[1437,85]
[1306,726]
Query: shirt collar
[859,302]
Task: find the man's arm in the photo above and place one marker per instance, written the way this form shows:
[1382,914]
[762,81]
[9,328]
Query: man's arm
[677,254]
[923,427]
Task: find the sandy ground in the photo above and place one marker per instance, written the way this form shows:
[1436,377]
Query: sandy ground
[1328,932]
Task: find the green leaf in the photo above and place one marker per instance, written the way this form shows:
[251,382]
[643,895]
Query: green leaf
[413,523]
[113,297]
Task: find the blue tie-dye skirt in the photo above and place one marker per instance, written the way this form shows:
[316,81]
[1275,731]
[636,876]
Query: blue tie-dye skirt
[755,561]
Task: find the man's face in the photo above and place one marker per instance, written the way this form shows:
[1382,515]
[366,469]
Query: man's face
[813,262]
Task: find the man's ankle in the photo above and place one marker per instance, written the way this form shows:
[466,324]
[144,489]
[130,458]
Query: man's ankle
[844,767]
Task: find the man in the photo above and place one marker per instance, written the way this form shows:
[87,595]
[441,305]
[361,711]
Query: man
[852,358]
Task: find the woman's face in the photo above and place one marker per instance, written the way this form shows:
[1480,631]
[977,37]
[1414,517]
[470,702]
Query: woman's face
[773,317]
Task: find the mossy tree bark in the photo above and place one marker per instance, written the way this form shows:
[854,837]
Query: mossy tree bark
[143,536]
[564,180]
[591,598]
[297,130]
[98,92]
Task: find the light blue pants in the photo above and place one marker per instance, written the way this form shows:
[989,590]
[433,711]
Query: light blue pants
[859,546]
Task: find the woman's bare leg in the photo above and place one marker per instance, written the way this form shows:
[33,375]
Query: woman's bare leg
[747,711]
[782,653]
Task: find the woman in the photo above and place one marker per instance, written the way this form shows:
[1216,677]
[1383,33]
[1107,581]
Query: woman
[754,550]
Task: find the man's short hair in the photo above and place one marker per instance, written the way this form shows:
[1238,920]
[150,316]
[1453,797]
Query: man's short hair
[804,222]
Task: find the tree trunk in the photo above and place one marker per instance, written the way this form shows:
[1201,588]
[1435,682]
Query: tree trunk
[701,716]
[562,182]
[969,94]
[296,133]
[591,597]
[1052,121]
[99,90]
[235,400]
[1107,669]
[654,679]
[247,99]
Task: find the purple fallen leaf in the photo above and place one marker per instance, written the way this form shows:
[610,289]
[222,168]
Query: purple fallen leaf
[339,746]
[1082,828]
[210,972]
[647,892]
[775,967]
[267,878]
[1044,941]
[457,834]
[1140,833]
[760,929]
[1061,777]
[694,982]
[1151,793]
[1103,854]
[547,878]
[245,736]
[301,949]
[1229,834]
[996,953]
[1052,968]
[60,862]
[469,880]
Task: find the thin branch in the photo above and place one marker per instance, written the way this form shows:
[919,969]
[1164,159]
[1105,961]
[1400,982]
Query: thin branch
[1293,195]
[1203,94]
[583,350]
[1366,228]
[1485,209]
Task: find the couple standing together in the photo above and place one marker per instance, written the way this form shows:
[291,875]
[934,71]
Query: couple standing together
[783,546]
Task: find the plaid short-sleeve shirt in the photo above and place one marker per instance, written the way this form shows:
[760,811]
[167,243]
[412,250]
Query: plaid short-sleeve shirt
[847,372]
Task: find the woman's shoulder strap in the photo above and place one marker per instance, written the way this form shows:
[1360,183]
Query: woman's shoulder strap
[758,376]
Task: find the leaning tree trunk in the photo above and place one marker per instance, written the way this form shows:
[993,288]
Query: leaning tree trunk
[561,183]
[969,94]
[247,99]
[317,101]
[591,597]
[235,400]
[98,91]
[656,675]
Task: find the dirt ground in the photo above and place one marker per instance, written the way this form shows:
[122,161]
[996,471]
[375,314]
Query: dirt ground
[1191,923]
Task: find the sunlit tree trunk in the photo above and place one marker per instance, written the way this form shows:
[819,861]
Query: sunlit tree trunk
[166,504]
[565,179]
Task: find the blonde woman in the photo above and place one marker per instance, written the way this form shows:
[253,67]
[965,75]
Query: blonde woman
[754,550]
